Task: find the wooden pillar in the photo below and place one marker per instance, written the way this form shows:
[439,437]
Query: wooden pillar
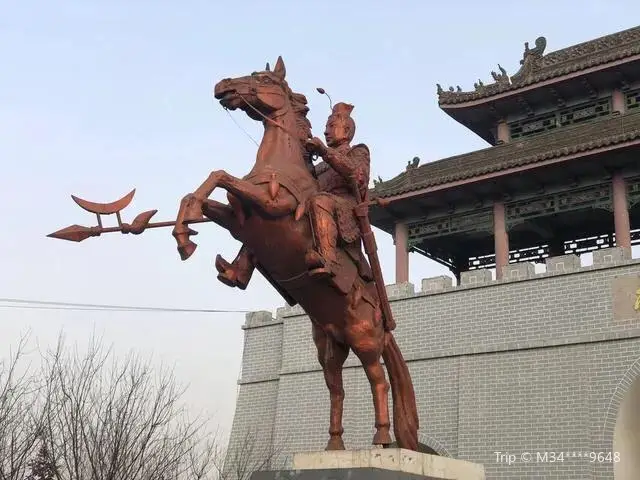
[621,212]
[401,238]
[501,238]
[504,135]
[618,101]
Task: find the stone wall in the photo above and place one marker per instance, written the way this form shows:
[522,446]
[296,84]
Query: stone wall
[531,363]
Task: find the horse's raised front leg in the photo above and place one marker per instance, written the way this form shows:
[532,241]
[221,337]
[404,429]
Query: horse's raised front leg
[191,206]
[264,199]
[190,210]
[332,356]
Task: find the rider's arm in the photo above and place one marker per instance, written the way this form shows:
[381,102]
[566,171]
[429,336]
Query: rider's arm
[354,166]
[340,162]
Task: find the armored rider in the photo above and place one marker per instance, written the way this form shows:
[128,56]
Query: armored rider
[332,209]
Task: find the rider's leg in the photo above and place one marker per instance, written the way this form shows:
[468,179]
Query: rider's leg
[325,231]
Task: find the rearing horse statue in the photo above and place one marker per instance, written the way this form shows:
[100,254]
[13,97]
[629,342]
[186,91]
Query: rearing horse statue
[268,212]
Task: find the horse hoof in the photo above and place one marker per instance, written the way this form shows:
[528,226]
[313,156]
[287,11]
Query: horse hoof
[221,264]
[227,280]
[382,437]
[186,250]
[241,282]
[335,443]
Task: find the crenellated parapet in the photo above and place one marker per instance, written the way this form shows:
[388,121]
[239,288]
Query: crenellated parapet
[480,278]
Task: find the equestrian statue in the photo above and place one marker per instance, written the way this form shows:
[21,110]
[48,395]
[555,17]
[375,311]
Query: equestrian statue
[303,226]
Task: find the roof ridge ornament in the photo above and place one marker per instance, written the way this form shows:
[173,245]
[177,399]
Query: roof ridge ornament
[413,164]
[502,77]
[538,50]
[531,60]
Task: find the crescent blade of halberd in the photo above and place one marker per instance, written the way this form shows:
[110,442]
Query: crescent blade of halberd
[105,208]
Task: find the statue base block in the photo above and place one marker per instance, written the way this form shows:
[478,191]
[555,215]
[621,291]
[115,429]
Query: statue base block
[375,464]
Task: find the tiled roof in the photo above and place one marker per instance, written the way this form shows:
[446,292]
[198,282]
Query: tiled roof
[537,67]
[556,143]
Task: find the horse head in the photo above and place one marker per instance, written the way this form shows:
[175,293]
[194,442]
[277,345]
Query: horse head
[266,96]
[261,94]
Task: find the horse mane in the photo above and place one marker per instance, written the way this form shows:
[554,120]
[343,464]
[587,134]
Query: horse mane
[303,125]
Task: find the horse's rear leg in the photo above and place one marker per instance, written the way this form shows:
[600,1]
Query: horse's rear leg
[332,356]
[366,339]
[239,272]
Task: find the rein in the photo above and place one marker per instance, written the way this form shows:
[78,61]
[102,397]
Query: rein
[273,122]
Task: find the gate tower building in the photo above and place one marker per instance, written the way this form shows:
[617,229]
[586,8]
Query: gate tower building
[511,359]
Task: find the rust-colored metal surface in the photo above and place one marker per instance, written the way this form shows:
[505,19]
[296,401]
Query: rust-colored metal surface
[303,226]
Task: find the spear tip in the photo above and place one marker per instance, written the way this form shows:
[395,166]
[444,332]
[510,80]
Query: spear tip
[73,233]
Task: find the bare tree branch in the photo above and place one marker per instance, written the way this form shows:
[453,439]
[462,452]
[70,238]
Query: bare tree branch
[112,418]
[91,415]
[244,455]
[19,415]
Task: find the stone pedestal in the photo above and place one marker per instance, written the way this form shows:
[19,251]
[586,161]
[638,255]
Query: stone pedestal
[375,464]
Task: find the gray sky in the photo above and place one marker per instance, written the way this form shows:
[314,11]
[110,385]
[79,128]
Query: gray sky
[98,97]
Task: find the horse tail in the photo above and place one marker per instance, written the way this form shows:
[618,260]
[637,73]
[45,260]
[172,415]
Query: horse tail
[405,411]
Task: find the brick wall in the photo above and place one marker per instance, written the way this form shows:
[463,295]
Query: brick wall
[255,414]
[535,362]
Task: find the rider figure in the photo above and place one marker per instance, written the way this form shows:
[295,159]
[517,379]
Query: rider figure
[332,209]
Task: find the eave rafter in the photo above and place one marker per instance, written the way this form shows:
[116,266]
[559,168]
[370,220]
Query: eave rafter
[623,81]
[495,113]
[525,106]
[560,101]
[593,93]
[539,187]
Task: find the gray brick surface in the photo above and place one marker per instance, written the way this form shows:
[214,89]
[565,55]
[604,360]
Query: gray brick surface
[563,264]
[611,256]
[400,290]
[436,284]
[518,271]
[474,278]
[534,363]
